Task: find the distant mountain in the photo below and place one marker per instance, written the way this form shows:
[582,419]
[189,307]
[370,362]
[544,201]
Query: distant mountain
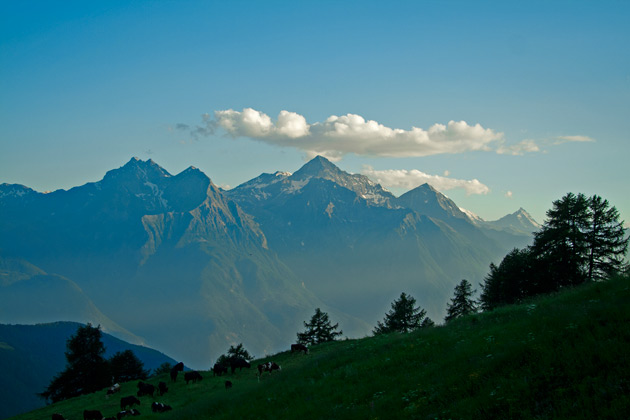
[30,355]
[285,183]
[28,295]
[170,258]
[357,246]
[428,201]
[518,222]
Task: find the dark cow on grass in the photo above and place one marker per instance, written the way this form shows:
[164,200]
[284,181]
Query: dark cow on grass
[92,415]
[145,389]
[239,363]
[129,401]
[177,368]
[162,388]
[268,367]
[158,407]
[125,413]
[299,347]
[219,369]
[193,376]
[57,417]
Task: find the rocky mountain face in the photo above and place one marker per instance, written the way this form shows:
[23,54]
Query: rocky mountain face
[167,257]
[357,246]
[191,269]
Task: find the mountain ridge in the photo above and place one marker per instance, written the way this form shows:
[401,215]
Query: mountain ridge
[247,264]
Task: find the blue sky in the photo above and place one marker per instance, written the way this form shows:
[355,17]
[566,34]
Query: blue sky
[538,93]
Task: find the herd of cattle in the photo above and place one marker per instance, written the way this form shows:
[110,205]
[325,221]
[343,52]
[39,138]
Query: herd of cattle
[127,403]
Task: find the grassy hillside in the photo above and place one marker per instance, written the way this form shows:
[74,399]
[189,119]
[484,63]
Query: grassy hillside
[561,356]
[30,355]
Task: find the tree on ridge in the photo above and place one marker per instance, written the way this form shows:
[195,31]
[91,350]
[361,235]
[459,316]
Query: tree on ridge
[319,329]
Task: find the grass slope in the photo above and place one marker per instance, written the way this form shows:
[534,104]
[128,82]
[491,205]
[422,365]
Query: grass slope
[560,356]
[30,355]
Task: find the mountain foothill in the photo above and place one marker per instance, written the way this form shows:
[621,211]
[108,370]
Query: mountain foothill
[183,266]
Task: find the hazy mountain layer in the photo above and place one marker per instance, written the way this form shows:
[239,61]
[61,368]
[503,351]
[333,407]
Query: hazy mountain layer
[175,260]
[168,257]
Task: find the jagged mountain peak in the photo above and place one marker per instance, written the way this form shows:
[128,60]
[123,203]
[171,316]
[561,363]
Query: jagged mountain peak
[280,184]
[520,221]
[138,169]
[319,167]
[428,201]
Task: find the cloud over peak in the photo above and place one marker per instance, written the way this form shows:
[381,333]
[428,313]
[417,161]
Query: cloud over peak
[351,133]
[409,179]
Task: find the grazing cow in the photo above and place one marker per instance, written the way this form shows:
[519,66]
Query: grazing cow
[92,415]
[157,407]
[268,367]
[162,388]
[125,413]
[239,363]
[145,389]
[218,369]
[228,384]
[129,401]
[57,417]
[177,368]
[193,376]
[299,347]
[113,389]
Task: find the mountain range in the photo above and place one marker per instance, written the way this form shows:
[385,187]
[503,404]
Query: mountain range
[176,263]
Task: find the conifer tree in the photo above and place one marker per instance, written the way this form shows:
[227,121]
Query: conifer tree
[125,366]
[462,303]
[233,353]
[86,369]
[318,330]
[561,244]
[606,238]
[403,317]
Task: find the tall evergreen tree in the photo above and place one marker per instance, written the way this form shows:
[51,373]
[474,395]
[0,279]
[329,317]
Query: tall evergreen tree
[583,239]
[125,366]
[319,329]
[462,303]
[86,369]
[561,244]
[607,241]
[404,316]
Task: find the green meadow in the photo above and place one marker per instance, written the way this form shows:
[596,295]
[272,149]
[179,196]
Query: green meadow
[560,356]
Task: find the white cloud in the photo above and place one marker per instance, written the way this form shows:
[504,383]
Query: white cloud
[408,179]
[351,133]
[564,139]
[525,146]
